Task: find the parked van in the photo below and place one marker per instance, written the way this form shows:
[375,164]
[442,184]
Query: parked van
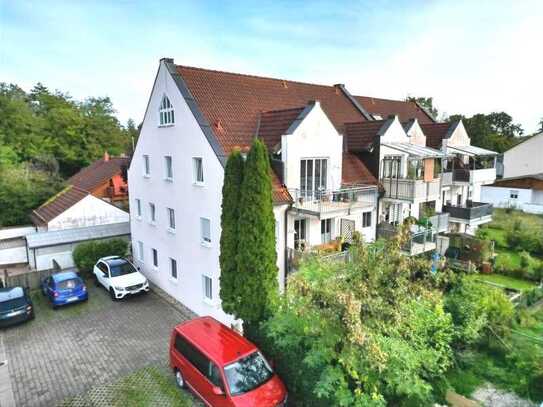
[222,367]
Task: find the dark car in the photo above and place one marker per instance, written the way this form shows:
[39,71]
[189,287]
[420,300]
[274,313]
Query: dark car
[64,288]
[15,306]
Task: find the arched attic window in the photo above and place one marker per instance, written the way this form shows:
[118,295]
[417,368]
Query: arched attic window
[166,112]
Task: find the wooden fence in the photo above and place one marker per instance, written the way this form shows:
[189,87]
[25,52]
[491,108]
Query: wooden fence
[30,279]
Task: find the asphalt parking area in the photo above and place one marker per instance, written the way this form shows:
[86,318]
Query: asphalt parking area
[67,352]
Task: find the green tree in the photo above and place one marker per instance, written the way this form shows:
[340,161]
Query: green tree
[231,192]
[256,258]
[426,102]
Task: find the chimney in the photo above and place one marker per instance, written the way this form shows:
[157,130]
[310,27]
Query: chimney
[106,156]
[285,85]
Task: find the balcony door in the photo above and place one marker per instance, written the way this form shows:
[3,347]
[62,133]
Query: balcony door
[313,175]
[300,234]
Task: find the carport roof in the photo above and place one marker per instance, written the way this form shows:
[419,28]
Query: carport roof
[57,237]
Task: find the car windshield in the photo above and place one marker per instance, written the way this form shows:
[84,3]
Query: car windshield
[12,304]
[247,374]
[69,284]
[121,269]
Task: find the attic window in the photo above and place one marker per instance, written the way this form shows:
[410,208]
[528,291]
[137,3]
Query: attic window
[166,112]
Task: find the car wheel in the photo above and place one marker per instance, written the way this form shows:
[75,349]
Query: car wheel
[179,379]
[112,294]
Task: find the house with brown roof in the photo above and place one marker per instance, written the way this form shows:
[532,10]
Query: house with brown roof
[524,192]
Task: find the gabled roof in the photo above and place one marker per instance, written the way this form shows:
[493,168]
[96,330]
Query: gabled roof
[98,173]
[355,172]
[274,123]
[436,132]
[361,135]
[405,110]
[53,207]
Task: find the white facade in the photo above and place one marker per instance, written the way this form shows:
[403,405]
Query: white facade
[197,205]
[527,200]
[524,158]
[90,211]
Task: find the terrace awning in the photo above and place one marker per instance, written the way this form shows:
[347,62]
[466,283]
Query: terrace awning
[416,150]
[471,150]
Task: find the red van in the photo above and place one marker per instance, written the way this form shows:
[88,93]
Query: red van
[222,367]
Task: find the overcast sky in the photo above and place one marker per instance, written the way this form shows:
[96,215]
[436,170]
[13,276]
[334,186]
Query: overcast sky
[472,56]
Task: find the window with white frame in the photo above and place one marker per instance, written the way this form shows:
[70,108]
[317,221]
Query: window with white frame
[171,218]
[140,251]
[155,257]
[205,231]
[198,170]
[366,219]
[138,208]
[146,166]
[208,287]
[173,268]
[326,230]
[166,112]
[513,194]
[152,212]
[168,166]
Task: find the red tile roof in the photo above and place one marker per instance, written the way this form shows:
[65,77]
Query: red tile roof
[360,135]
[62,201]
[386,107]
[355,172]
[274,123]
[435,133]
[232,102]
[280,194]
[98,173]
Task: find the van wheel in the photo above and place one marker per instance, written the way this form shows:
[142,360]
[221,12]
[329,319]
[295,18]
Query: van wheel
[179,379]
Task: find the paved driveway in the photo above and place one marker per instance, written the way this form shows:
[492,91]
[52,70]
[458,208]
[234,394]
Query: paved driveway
[65,352]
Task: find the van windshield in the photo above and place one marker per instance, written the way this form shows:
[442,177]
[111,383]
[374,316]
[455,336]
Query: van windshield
[247,374]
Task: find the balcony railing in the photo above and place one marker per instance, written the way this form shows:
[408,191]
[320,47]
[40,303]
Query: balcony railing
[420,240]
[410,189]
[465,175]
[342,200]
[439,222]
[470,211]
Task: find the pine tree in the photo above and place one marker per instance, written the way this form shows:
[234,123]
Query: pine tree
[231,192]
[256,257]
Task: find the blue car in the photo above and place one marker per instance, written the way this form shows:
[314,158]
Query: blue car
[64,288]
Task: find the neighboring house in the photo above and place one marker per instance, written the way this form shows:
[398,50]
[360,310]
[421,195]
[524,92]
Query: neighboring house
[465,170]
[105,179]
[524,193]
[524,158]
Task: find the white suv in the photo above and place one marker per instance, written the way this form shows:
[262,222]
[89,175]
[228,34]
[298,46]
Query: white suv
[119,277]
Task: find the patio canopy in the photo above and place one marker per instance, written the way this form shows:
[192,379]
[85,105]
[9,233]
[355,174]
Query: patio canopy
[65,236]
[416,150]
[472,150]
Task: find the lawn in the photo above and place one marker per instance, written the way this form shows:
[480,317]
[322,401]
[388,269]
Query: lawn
[505,281]
[147,387]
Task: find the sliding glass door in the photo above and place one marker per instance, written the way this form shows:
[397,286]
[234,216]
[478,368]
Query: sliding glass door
[313,174]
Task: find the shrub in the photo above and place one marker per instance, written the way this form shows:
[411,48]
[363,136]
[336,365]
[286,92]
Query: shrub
[86,254]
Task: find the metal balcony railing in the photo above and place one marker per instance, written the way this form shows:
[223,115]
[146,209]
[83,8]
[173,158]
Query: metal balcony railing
[420,240]
[345,199]
[470,211]
[410,189]
[440,222]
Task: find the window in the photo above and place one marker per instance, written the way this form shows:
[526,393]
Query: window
[205,228]
[155,258]
[171,218]
[146,166]
[391,167]
[313,174]
[366,219]
[152,212]
[208,288]
[326,230]
[173,268]
[199,361]
[138,208]
[299,234]
[166,112]
[169,168]
[140,251]
[513,194]
[198,170]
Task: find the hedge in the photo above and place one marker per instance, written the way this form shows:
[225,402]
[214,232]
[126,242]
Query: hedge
[86,254]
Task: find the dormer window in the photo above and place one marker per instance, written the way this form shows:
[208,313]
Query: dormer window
[166,112]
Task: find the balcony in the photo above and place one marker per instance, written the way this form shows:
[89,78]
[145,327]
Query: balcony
[420,239]
[439,222]
[473,213]
[318,203]
[410,189]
